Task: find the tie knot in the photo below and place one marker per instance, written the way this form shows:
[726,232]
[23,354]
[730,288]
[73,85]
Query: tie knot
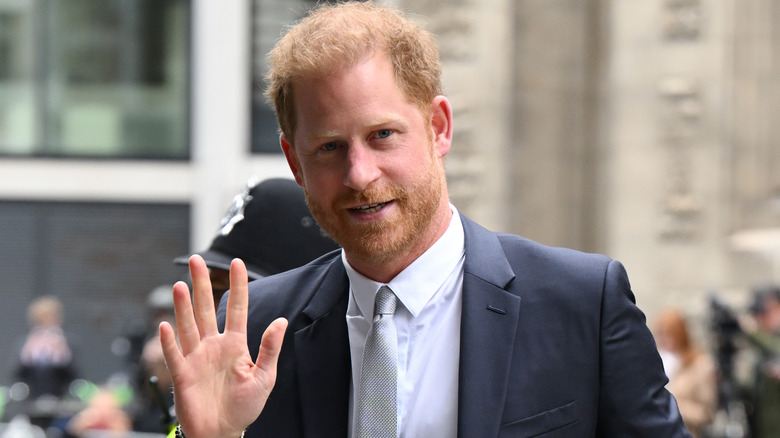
[385,301]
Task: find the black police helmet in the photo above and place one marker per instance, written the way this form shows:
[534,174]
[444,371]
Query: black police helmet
[269,227]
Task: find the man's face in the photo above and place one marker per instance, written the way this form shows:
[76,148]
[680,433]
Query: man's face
[370,163]
[770,318]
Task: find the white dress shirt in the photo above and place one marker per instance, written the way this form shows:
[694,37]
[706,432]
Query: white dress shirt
[427,319]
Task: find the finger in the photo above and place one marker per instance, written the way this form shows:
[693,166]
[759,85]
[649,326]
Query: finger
[185,321]
[173,357]
[203,299]
[270,347]
[238,300]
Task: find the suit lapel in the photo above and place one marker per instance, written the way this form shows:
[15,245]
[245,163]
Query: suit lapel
[489,323]
[488,328]
[322,357]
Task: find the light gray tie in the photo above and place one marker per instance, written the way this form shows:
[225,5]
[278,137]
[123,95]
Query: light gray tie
[376,402]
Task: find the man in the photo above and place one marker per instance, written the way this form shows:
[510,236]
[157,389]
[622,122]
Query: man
[763,335]
[493,335]
[46,361]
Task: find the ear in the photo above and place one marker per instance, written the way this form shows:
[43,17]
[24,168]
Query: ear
[292,159]
[441,125]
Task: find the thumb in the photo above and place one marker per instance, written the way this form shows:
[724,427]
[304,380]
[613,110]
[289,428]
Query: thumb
[271,346]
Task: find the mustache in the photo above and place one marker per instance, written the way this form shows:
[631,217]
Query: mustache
[371,195]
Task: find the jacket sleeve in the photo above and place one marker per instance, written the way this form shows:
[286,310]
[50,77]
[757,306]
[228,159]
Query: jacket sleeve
[633,400]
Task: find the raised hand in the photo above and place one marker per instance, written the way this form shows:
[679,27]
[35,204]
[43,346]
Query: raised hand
[218,389]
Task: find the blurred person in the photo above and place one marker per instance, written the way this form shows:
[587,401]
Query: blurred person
[763,333]
[270,228]
[46,360]
[691,371]
[153,405]
[159,305]
[102,413]
[474,333]
[152,402]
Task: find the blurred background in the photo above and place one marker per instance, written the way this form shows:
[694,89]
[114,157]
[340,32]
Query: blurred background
[642,129]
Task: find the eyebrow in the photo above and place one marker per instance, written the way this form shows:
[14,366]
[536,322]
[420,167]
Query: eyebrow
[318,136]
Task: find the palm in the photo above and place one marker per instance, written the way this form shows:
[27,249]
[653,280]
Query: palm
[218,389]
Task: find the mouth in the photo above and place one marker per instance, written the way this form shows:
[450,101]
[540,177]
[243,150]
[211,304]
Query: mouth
[369,208]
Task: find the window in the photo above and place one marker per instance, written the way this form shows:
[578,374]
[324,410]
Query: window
[271,17]
[87,78]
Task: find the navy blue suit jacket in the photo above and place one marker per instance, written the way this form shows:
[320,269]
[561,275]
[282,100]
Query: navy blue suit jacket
[552,345]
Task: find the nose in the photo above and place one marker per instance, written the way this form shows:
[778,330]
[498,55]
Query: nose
[361,166]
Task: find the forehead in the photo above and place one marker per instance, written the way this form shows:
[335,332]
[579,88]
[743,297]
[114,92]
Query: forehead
[374,72]
[366,90]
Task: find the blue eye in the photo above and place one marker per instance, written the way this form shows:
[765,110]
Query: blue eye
[384,133]
[330,146]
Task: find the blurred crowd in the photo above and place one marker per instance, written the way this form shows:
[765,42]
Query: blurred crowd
[50,399]
[727,381]
[268,225]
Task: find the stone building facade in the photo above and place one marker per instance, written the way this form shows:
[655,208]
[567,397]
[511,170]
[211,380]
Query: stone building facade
[642,129]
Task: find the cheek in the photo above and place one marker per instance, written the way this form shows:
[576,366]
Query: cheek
[320,187]
[318,177]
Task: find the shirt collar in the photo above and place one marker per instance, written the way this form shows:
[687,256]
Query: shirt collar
[415,285]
